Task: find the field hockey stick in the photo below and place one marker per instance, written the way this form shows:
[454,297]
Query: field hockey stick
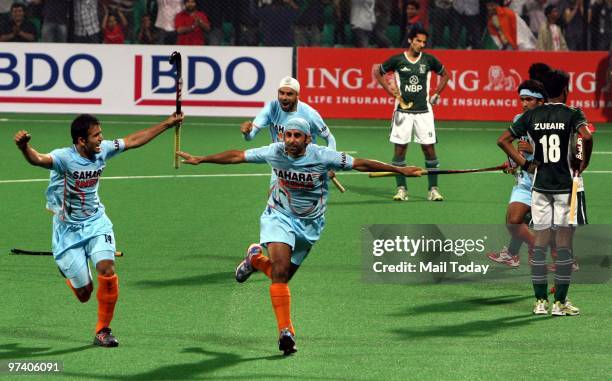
[176,60]
[338,185]
[573,198]
[435,171]
[32,252]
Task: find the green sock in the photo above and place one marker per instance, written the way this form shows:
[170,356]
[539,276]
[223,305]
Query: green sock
[432,179]
[399,162]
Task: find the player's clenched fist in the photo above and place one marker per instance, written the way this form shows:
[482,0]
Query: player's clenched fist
[22,138]
[246,127]
[412,171]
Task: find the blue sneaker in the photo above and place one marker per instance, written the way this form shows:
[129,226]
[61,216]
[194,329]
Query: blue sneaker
[244,269]
[286,342]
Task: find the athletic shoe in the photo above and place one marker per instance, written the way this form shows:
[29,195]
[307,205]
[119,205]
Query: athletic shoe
[504,257]
[105,338]
[401,195]
[567,309]
[244,269]
[540,307]
[286,342]
[434,195]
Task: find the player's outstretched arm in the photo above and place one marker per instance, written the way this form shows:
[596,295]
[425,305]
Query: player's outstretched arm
[22,140]
[142,137]
[367,165]
[227,157]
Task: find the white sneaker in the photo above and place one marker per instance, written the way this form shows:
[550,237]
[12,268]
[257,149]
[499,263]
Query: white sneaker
[541,307]
[566,309]
[434,195]
[401,195]
[504,257]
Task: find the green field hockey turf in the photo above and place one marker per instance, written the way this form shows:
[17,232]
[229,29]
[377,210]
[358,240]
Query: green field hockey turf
[181,314]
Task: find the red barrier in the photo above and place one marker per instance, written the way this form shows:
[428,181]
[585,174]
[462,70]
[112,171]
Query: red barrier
[339,82]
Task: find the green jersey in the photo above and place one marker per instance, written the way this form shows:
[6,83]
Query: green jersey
[412,78]
[551,127]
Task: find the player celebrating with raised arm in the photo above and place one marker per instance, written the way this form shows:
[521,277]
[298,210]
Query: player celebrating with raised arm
[532,95]
[413,115]
[81,229]
[551,128]
[276,113]
[294,218]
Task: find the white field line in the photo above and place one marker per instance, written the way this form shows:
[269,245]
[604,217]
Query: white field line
[218,175]
[225,124]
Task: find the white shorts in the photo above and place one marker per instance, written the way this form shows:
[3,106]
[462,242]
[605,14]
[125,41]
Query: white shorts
[406,128]
[551,210]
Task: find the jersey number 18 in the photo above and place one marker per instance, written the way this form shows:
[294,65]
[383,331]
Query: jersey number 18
[551,148]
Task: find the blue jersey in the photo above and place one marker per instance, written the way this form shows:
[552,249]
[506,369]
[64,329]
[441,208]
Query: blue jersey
[275,119]
[300,184]
[523,178]
[72,194]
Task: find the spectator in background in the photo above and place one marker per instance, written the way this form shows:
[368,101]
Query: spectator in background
[508,31]
[5,9]
[54,21]
[113,26]
[441,16]
[127,9]
[218,12]
[550,36]
[517,6]
[276,21]
[534,10]
[600,22]
[363,19]
[146,35]
[382,12]
[245,24]
[166,13]
[17,28]
[466,15]
[190,25]
[342,14]
[309,23]
[86,21]
[574,17]
[502,25]
[413,20]
[421,12]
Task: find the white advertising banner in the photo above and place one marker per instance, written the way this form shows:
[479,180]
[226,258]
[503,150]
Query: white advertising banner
[138,79]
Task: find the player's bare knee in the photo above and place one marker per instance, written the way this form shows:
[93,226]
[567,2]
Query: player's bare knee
[280,272]
[106,268]
[84,293]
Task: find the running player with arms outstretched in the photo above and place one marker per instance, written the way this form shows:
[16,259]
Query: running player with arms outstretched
[294,217]
[81,229]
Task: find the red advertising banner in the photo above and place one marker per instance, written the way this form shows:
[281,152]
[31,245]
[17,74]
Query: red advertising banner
[339,82]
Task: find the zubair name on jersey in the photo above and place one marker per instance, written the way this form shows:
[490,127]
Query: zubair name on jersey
[549,126]
[86,179]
